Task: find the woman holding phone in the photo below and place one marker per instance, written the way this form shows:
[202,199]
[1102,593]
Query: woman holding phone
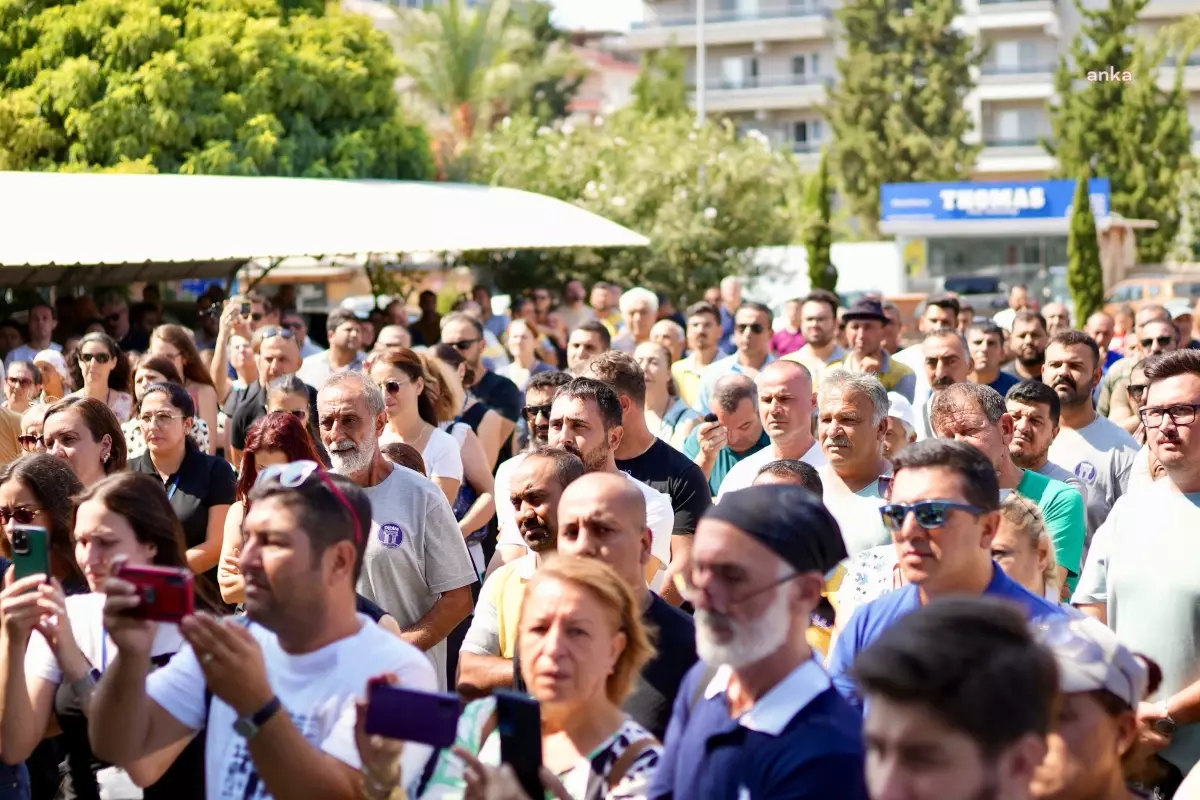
[583,645]
[55,647]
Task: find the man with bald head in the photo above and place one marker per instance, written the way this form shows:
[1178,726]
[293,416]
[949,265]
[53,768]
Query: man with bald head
[1101,327]
[1058,318]
[392,336]
[785,405]
[603,516]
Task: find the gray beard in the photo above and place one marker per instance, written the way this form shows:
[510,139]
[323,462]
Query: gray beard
[349,462]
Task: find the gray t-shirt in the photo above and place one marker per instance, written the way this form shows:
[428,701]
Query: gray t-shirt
[1056,473]
[1142,566]
[415,554]
[1101,455]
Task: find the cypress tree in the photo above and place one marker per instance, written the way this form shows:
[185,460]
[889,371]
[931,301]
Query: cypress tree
[818,235]
[1085,276]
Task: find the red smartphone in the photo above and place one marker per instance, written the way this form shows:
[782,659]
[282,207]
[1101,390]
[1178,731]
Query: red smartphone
[412,716]
[168,594]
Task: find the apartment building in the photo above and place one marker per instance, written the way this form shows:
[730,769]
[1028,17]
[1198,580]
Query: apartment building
[770,64]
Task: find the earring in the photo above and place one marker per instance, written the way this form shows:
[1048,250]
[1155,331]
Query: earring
[105,458]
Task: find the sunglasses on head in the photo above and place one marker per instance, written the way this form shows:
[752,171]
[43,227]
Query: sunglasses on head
[1162,341]
[272,332]
[29,442]
[753,327]
[531,412]
[22,515]
[464,345]
[929,514]
[99,358]
[293,475]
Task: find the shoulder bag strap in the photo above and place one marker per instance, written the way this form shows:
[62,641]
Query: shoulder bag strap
[621,766]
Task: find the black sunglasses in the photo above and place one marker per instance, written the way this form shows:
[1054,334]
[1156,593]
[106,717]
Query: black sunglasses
[100,358]
[22,515]
[531,412]
[256,317]
[29,441]
[753,327]
[1163,341]
[1136,390]
[464,345]
[930,513]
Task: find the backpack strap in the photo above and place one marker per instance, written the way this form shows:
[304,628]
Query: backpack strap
[621,766]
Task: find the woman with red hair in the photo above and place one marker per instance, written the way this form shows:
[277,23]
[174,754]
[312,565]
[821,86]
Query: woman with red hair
[277,438]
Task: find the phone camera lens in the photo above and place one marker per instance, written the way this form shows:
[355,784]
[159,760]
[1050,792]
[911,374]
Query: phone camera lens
[20,542]
[150,595]
[174,580]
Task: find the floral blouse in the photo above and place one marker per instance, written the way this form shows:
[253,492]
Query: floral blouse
[584,781]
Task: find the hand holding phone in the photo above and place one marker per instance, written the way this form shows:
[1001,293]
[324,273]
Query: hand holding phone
[31,551]
[410,715]
[166,594]
[519,720]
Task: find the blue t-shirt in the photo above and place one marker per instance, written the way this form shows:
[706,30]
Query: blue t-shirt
[817,755]
[872,619]
[1004,381]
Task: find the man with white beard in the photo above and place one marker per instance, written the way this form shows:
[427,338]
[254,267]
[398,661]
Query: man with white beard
[416,566]
[760,717]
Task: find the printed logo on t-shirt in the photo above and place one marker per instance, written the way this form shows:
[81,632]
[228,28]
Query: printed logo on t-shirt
[1086,470]
[390,535]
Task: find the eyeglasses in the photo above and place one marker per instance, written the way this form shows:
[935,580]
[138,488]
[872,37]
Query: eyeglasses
[685,582]
[22,515]
[272,331]
[1181,414]
[930,514]
[161,418]
[256,317]
[1163,341]
[464,345]
[99,358]
[394,387]
[531,412]
[293,326]
[294,474]
[19,383]
[29,442]
[1136,390]
[753,327]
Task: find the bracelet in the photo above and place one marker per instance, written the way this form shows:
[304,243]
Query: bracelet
[376,789]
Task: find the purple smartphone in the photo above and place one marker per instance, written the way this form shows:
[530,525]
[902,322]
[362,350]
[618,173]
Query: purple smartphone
[411,716]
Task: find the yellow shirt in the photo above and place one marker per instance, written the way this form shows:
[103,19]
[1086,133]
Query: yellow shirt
[504,591]
[686,373]
[10,429]
[818,636]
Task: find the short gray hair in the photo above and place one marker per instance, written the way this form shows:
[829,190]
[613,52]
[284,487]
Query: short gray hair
[370,389]
[638,296]
[863,382]
[948,333]
[953,398]
[730,390]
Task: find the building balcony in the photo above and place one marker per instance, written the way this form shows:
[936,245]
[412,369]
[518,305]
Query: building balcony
[1191,74]
[807,148]
[1168,9]
[766,93]
[998,15]
[1015,82]
[1010,155]
[782,23]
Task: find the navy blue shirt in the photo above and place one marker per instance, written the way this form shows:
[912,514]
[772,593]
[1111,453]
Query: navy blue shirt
[774,750]
[1004,381]
[875,617]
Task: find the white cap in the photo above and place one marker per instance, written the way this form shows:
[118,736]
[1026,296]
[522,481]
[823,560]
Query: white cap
[901,409]
[54,359]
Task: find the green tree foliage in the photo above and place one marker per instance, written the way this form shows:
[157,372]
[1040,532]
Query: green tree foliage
[200,86]
[1130,131]
[661,86]
[898,112]
[551,92]
[469,67]
[1085,275]
[818,231]
[641,172]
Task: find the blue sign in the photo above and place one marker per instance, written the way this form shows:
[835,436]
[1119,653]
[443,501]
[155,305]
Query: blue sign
[980,200]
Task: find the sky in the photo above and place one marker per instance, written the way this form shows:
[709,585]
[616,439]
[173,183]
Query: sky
[597,14]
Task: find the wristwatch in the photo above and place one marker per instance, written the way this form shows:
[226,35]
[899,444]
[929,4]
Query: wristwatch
[248,727]
[84,687]
[1165,725]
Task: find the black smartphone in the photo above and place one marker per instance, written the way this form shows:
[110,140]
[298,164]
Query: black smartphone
[31,551]
[412,716]
[246,309]
[519,720]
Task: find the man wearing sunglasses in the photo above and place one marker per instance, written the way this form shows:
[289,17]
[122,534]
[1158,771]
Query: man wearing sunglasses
[465,334]
[115,312]
[1143,561]
[1099,451]
[752,337]
[942,512]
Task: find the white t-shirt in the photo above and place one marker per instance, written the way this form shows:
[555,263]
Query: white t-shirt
[416,552]
[857,513]
[660,517]
[318,690]
[442,456]
[506,515]
[745,471]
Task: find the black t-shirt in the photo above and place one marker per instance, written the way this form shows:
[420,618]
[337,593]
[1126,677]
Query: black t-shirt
[664,468]
[674,636]
[253,407]
[503,396]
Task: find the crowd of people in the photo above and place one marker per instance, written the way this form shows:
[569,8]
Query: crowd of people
[725,556]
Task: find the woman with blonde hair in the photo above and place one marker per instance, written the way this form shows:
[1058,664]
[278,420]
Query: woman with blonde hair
[1023,548]
[582,645]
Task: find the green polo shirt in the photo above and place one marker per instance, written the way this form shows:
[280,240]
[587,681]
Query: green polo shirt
[1063,508]
[725,459]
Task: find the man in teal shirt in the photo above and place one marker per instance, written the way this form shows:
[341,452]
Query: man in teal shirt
[736,433]
[976,414]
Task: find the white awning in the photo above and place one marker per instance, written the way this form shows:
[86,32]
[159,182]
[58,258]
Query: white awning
[131,227]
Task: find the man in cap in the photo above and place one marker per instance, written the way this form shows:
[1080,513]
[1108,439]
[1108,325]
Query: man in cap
[759,718]
[1102,684]
[943,513]
[902,426]
[960,700]
[865,321]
